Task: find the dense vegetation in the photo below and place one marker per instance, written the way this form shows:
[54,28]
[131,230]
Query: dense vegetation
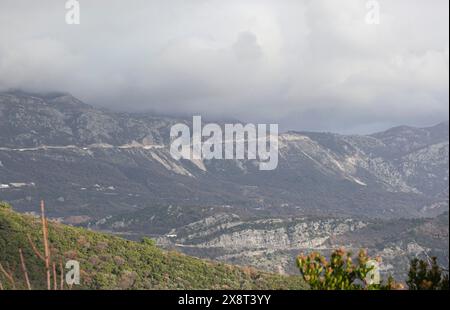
[342,272]
[109,262]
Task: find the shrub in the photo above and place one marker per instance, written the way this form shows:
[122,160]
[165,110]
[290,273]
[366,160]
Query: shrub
[340,272]
[148,241]
[427,276]
[5,205]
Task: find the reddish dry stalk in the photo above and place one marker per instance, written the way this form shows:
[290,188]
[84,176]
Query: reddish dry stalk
[46,249]
[55,278]
[35,250]
[1,286]
[24,269]
[61,284]
[8,276]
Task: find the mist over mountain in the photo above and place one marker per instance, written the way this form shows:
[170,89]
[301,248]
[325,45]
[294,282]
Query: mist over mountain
[307,65]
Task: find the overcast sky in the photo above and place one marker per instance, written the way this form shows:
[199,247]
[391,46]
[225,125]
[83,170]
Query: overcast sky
[307,64]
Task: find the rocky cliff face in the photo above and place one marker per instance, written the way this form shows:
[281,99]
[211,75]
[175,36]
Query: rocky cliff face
[273,244]
[34,120]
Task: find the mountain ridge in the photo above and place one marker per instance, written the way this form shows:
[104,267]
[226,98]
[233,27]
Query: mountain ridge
[34,130]
[114,172]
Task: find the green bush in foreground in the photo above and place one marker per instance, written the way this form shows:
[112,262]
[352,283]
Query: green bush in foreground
[341,272]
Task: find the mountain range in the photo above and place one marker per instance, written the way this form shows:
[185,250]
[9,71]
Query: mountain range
[113,171]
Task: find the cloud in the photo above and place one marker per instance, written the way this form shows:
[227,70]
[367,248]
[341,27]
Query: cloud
[247,47]
[311,64]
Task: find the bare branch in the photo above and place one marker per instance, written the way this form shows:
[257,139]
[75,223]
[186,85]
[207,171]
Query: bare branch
[55,278]
[35,250]
[8,276]
[61,275]
[46,248]
[24,269]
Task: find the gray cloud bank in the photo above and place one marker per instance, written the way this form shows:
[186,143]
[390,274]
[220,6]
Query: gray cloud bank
[312,64]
